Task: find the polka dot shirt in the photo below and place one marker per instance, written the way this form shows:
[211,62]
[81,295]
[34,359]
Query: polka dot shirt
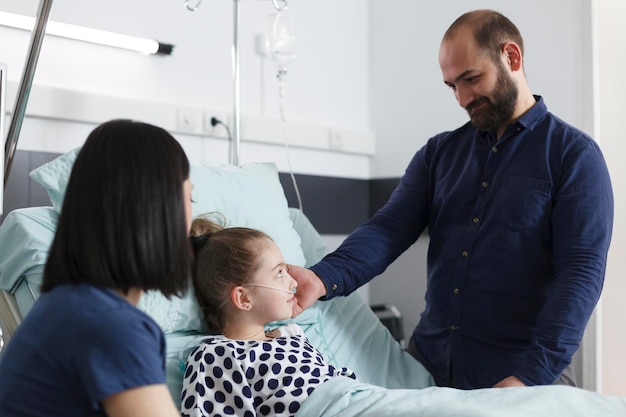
[248,378]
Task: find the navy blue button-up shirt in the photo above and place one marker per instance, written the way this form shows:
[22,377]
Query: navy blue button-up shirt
[519,232]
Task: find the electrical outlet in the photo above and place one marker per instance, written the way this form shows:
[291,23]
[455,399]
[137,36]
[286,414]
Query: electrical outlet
[188,119]
[335,140]
[218,130]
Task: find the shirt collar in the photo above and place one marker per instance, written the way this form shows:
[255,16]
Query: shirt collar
[534,114]
[528,121]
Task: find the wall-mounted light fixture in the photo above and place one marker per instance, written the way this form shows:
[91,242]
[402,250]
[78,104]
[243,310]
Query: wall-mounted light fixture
[81,33]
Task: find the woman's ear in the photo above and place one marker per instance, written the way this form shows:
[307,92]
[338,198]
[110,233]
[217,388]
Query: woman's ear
[513,55]
[241,298]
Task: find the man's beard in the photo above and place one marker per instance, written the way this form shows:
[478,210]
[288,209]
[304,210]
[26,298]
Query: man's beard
[497,110]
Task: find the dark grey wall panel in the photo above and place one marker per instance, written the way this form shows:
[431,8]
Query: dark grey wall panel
[38,195]
[334,205]
[380,191]
[21,190]
[338,205]
[16,193]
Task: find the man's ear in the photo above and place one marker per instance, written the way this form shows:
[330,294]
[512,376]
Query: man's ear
[241,298]
[513,55]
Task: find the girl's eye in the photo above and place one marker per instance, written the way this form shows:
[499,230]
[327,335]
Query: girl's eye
[280,273]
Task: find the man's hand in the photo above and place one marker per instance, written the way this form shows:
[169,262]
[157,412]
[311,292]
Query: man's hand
[509,381]
[310,288]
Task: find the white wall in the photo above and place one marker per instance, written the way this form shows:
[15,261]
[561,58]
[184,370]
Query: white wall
[612,40]
[199,71]
[326,85]
[409,102]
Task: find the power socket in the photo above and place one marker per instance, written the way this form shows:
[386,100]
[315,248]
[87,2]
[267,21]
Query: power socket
[217,130]
[335,141]
[188,119]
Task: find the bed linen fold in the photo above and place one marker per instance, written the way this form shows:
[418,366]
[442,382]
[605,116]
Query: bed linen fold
[344,397]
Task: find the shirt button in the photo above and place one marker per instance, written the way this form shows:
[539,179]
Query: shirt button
[464,254]
[456,291]
[485,184]
[334,287]
[494,149]
[475,220]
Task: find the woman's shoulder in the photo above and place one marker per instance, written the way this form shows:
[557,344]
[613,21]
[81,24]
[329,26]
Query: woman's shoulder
[99,314]
[76,296]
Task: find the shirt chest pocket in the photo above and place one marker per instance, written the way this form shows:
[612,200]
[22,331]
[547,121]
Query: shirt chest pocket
[523,203]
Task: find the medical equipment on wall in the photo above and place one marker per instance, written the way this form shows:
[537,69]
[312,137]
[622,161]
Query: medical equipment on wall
[281,48]
[192,5]
[139,44]
[281,41]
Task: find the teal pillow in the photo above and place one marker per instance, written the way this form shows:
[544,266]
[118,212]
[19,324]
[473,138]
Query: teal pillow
[248,196]
[54,176]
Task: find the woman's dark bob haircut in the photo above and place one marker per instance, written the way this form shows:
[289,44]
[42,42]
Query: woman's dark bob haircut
[122,224]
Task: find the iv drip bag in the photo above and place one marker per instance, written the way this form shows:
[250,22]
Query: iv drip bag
[281,39]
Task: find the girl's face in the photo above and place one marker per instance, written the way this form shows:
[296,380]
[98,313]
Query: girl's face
[276,303]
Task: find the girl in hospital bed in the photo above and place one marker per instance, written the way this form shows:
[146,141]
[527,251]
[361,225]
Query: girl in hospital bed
[242,283]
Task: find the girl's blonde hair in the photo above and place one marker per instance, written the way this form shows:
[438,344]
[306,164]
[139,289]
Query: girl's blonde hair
[224,258]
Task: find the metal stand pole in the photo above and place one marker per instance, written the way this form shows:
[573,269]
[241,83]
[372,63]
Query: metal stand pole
[25,85]
[236,139]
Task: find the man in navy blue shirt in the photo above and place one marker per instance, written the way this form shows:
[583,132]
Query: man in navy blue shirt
[519,210]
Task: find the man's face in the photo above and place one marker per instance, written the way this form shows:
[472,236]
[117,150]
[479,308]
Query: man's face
[495,109]
[481,86]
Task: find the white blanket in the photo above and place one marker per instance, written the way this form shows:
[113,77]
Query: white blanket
[344,397]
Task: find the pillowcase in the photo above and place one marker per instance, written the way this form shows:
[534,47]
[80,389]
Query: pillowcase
[247,196]
[54,176]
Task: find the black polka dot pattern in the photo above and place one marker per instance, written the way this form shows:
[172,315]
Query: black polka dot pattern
[253,378]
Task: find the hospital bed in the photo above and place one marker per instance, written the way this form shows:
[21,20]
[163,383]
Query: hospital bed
[345,330]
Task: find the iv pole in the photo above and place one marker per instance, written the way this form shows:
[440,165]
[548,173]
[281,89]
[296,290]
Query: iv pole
[236,140]
[279,5]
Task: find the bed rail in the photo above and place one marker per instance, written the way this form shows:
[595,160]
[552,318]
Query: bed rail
[25,85]
[10,317]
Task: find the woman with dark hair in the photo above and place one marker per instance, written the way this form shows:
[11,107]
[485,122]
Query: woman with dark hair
[84,348]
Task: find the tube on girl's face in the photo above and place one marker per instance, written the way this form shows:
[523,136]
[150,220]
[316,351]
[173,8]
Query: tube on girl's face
[291,291]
